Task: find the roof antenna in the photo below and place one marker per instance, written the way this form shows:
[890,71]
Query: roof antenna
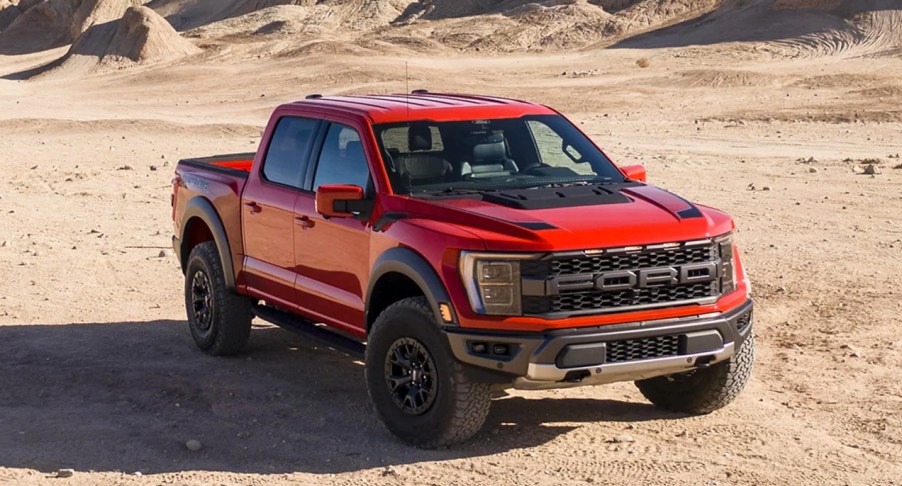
[407,90]
[407,97]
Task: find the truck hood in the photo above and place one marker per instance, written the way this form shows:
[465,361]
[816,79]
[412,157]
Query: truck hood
[584,217]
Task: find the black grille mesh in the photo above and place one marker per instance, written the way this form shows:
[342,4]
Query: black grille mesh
[644,348]
[578,301]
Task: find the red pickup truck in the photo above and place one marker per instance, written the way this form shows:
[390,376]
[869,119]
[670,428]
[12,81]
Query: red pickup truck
[472,243]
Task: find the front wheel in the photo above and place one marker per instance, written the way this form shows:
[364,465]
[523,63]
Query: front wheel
[705,390]
[220,321]
[418,389]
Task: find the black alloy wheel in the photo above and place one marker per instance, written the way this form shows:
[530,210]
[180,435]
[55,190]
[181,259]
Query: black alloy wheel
[410,376]
[202,300]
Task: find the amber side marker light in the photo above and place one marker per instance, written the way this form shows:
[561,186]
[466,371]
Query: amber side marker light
[445,309]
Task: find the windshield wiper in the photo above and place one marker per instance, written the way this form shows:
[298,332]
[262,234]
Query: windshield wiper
[569,183]
[450,190]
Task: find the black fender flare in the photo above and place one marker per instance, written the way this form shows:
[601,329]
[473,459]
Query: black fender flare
[413,266]
[201,208]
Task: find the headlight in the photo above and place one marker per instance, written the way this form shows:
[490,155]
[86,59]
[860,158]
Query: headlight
[492,282]
[728,259]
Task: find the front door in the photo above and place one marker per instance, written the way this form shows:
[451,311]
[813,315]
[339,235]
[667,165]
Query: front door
[332,255]
[267,211]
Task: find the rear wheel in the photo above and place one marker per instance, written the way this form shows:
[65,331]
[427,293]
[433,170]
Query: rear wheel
[418,389]
[220,321]
[704,390]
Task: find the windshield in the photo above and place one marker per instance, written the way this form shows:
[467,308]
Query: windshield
[425,157]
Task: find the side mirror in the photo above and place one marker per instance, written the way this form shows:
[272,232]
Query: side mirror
[341,201]
[634,172]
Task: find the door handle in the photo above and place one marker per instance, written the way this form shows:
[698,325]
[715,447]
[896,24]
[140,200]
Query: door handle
[305,222]
[254,207]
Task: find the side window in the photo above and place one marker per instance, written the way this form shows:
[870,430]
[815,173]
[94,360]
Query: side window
[287,155]
[342,160]
[552,149]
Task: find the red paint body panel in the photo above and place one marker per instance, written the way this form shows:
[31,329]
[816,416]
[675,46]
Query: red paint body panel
[332,266]
[587,227]
[287,253]
[267,217]
[223,190]
[399,108]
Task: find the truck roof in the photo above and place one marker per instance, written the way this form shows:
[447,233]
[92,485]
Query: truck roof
[421,105]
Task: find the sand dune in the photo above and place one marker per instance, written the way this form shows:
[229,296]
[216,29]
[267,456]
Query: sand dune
[475,25]
[96,12]
[866,28]
[188,14]
[141,36]
[800,27]
[43,26]
[795,28]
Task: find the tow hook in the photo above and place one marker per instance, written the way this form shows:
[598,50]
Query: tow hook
[576,376]
[704,362]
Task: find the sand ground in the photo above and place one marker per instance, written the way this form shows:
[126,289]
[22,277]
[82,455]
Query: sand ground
[99,373]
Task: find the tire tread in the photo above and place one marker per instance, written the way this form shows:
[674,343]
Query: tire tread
[471,400]
[232,316]
[713,389]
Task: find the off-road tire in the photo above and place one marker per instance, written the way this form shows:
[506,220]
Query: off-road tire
[705,390]
[226,329]
[459,407]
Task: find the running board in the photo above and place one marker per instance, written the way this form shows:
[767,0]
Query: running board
[321,334]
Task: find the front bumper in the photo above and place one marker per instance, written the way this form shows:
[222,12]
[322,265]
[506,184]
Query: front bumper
[605,354]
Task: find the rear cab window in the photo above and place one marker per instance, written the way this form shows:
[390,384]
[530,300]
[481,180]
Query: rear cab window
[397,140]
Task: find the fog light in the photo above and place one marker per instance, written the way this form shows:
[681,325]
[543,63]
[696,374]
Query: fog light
[479,348]
[500,349]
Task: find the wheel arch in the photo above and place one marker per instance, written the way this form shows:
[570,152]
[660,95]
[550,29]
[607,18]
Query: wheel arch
[399,273]
[202,223]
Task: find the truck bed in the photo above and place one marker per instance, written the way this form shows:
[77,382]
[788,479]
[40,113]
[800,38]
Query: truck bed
[218,180]
[238,165]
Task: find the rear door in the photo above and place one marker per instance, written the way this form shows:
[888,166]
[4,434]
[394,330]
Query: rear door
[267,211]
[332,255]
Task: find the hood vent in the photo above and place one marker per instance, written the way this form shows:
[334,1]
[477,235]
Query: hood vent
[559,197]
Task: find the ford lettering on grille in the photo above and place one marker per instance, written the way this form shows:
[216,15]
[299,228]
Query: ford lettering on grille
[636,279]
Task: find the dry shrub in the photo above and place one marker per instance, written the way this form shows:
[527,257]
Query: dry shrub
[643,63]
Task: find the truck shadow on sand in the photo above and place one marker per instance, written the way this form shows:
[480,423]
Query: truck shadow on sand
[127,396]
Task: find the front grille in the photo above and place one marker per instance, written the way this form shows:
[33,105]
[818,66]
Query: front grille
[644,348]
[580,301]
[620,261]
[588,267]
